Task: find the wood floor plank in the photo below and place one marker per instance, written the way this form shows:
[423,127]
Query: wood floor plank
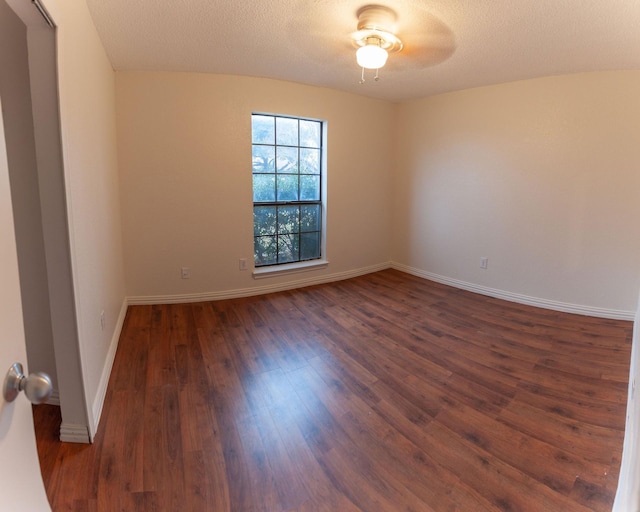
[384,392]
[502,485]
[288,483]
[559,431]
[555,466]
[290,420]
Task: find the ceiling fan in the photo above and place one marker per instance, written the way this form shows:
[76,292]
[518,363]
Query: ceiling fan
[428,41]
[375,37]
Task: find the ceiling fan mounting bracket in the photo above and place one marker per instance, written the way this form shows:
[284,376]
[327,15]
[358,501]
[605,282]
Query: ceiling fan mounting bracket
[376,17]
[377,21]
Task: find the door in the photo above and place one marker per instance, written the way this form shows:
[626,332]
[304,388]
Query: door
[21,486]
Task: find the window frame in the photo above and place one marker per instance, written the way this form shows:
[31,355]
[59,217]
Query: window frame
[299,265]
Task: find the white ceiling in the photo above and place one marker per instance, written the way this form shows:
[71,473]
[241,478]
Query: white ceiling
[449,44]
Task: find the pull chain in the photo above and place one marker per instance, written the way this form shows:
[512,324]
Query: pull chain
[376,78]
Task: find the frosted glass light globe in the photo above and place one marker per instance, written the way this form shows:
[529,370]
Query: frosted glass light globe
[371,56]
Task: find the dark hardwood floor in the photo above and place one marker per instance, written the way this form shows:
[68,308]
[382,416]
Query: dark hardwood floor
[381,393]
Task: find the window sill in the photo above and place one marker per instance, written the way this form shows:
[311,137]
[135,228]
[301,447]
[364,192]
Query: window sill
[291,268]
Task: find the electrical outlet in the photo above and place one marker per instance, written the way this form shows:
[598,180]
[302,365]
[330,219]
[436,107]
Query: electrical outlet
[185,272]
[484,262]
[102,320]
[243,264]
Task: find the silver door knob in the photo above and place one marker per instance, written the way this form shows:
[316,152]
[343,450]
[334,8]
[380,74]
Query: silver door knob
[37,386]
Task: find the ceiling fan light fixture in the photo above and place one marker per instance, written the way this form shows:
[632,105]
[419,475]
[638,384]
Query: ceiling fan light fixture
[375,38]
[371,55]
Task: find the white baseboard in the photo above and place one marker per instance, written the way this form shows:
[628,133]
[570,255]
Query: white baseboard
[328,278]
[259,290]
[564,307]
[98,402]
[71,433]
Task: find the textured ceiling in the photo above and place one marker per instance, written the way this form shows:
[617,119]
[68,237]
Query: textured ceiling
[449,44]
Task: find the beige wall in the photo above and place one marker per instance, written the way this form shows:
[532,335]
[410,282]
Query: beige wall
[540,176]
[87,115]
[184,143]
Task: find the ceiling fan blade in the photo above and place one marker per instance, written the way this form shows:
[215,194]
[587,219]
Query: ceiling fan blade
[428,49]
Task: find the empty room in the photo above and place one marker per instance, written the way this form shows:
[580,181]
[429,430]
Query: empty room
[320,256]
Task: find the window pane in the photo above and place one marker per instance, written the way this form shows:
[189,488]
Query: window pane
[286,131]
[288,187]
[287,160]
[288,219]
[265,250]
[262,129]
[264,188]
[287,167]
[264,220]
[310,134]
[264,159]
[288,248]
[309,246]
[309,161]
[309,188]
[310,218]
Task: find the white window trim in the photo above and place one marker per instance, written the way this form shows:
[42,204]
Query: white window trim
[289,268]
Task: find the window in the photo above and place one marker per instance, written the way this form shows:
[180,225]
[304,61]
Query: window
[287,197]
